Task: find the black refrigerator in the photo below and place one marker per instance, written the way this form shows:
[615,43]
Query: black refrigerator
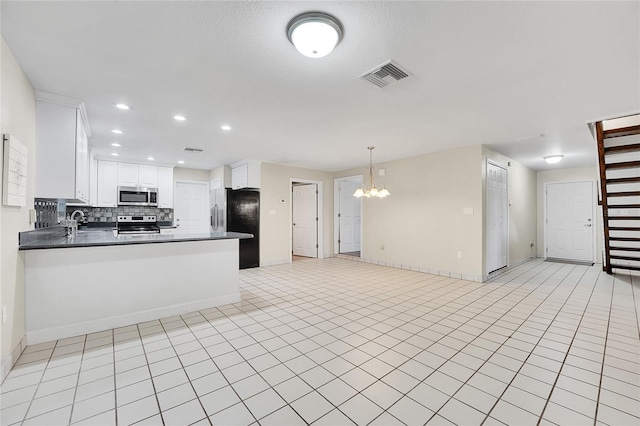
[243,215]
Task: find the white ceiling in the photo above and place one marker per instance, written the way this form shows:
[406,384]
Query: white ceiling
[498,73]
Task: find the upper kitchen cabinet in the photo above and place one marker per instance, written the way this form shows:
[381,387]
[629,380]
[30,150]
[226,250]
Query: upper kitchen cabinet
[107,184]
[245,174]
[130,174]
[148,176]
[62,149]
[165,187]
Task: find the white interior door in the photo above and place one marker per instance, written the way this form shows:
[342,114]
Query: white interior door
[305,220]
[569,221]
[497,218]
[350,218]
[191,210]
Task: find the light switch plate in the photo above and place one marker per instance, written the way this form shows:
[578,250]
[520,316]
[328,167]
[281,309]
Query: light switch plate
[467,210]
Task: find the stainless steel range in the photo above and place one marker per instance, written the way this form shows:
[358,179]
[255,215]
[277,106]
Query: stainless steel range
[140,225]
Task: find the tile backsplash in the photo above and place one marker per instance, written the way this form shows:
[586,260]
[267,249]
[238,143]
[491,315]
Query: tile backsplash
[109,214]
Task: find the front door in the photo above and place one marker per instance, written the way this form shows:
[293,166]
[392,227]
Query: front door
[350,218]
[569,221]
[305,220]
[497,218]
[191,208]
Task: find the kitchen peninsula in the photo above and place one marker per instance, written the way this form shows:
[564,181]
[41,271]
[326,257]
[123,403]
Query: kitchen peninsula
[96,281]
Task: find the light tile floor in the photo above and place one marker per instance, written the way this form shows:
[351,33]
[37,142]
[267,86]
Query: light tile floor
[337,342]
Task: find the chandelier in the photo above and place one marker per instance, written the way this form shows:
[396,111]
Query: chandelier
[371,190]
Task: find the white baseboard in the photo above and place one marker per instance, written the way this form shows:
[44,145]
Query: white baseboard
[9,362]
[414,268]
[275,262]
[77,329]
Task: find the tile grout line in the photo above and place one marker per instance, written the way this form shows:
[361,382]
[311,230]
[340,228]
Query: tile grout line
[184,368]
[75,391]
[604,350]
[558,285]
[148,365]
[466,345]
[24,418]
[540,285]
[553,387]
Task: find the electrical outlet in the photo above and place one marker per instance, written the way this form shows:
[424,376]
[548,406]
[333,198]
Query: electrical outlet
[459,255]
[4,314]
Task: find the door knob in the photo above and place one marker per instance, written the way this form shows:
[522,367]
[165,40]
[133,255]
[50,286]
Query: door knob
[588,225]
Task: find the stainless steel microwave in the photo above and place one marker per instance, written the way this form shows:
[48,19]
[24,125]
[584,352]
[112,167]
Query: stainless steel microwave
[137,196]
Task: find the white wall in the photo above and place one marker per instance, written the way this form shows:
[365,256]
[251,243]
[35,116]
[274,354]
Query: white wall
[522,207]
[421,226]
[568,175]
[223,173]
[275,217]
[17,117]
[181,173]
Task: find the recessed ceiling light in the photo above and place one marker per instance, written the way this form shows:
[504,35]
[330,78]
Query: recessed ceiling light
[123,106]
[117,131]
[180,162]
[116,144]
[115,154]
[552,159]
[314,34]
[150,158]
[180,117]
[225,127]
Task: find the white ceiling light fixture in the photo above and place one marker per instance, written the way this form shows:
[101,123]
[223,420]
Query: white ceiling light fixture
[371,190]
[115,154]
[314,34]
[116,144]
[117,131]
[180,117]
[123,107]
[180,162]
[150,158]
[225,127]
[553,159]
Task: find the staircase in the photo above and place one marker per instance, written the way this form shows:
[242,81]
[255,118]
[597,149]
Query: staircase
[619,158]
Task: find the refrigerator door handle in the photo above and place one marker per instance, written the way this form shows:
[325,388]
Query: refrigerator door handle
[215,217]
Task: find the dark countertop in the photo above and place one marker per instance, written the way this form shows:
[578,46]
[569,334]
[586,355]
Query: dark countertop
[95,238]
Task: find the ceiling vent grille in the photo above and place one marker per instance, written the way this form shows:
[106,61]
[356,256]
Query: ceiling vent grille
[187,149]
[386,74]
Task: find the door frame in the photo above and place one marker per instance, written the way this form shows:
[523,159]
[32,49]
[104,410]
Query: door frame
[594,219]
[175,192]
[486,189]
[319,197]
[336,211]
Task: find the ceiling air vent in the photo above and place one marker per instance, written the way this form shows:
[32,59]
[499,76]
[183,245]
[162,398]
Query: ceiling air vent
[386,74]
[187,149]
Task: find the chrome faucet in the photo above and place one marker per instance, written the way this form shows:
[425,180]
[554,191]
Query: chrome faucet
[75,222]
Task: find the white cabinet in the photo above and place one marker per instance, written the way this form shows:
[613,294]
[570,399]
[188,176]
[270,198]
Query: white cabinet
[165,187]
[93,180]
[245,174]
[127,174]
[62,151]
[130,174]
[107,184]
[148,176]
[239,175]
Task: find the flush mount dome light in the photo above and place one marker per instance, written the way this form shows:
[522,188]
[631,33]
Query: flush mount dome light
[314,34]
[553,159]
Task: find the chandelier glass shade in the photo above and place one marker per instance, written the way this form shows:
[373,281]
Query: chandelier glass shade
[371,190]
